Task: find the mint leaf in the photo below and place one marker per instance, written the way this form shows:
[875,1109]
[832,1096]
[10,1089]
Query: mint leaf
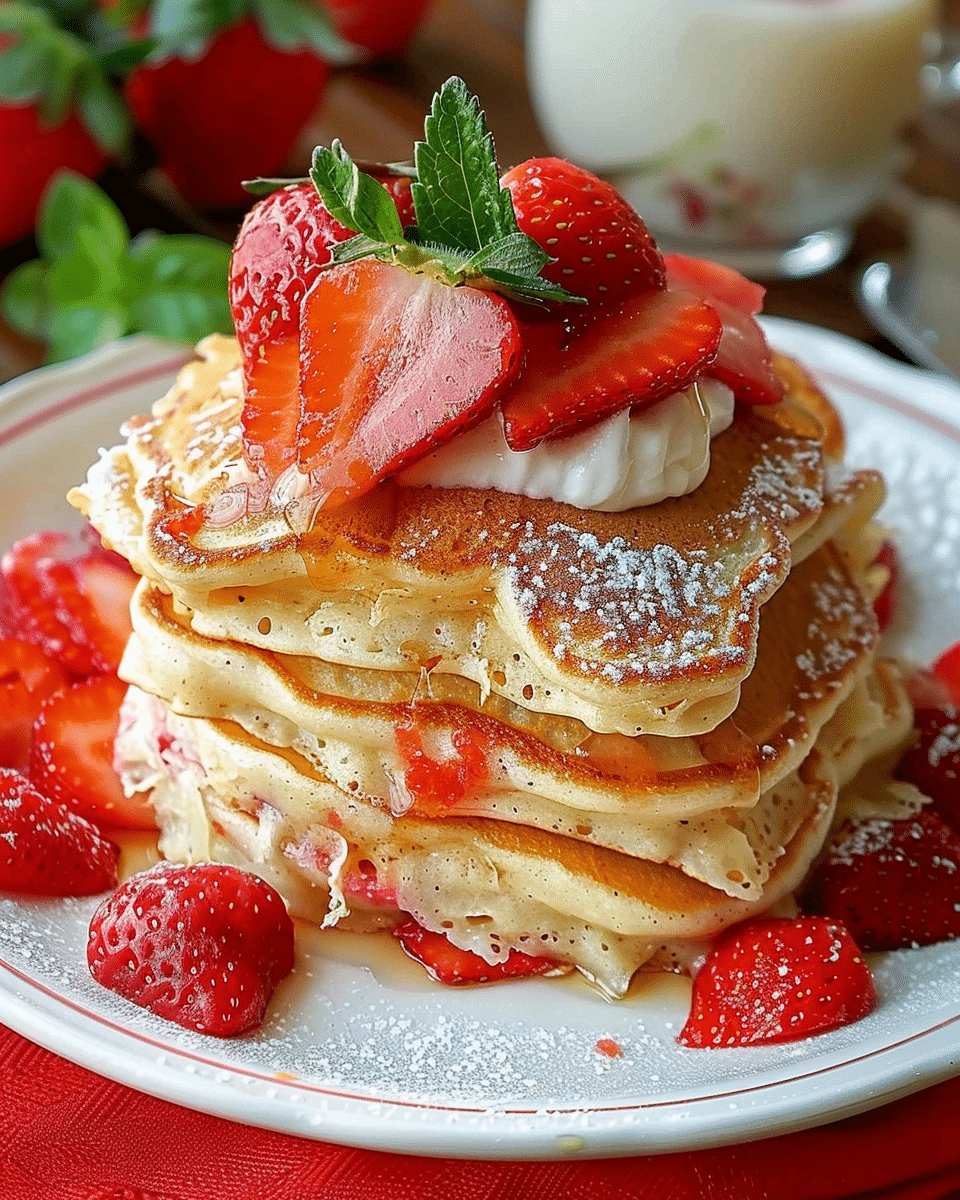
[457,199]
[96,285]
[73,204]
[516,262]
[178,285]
[79,328]
[353,198]
[23,299]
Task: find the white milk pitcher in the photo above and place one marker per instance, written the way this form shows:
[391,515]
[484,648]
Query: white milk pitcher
[755,131]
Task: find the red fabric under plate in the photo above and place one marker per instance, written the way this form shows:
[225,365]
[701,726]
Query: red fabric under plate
[66,1134]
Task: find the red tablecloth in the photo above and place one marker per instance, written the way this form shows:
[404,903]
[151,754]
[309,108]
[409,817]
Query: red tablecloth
[66,1134]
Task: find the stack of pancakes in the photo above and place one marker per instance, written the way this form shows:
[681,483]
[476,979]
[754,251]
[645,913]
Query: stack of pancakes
[599,737]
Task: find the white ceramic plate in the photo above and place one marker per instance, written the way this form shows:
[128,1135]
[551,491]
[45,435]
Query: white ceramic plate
[373,1055]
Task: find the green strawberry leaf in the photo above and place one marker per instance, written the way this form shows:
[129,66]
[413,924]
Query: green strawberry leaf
[118,60]
[293,25]
[103,113]
[23,299]
[73,205]
[466,230]
[353,198]
[22,67]
[458,197]
[178,285]
[50,61]
[184,27]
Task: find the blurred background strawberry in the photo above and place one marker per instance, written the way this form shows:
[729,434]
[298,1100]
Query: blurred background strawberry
[228,87]
[58,107]
[381,27]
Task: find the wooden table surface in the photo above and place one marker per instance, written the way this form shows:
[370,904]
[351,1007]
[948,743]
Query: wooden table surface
[378,113]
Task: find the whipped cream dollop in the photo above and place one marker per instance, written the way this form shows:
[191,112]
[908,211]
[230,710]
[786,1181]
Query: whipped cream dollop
[623,462]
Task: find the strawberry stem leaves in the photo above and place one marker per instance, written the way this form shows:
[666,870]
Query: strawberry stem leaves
[354,199]
[59,70]
[466,230]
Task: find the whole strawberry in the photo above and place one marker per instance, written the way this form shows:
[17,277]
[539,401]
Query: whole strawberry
[382,27]
[57,109]
[47,850]
[893,883]
[204,946]
[776,980]
[602,248]
[226,92]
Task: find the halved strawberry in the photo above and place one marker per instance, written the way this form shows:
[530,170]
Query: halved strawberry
[284,243]
[204,946]
[72,598]
[28,676]
[447,963]
[743,360]
[601,247]
[71,759]
[392,365]
[776,980]
[577,372]
[892,883]
[47,850]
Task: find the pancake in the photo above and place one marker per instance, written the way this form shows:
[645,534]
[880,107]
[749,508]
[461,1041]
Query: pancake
[489,885]
[643,621]
[599,736]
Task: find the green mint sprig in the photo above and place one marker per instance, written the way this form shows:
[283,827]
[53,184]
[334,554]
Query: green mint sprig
[94,283]
[466,230]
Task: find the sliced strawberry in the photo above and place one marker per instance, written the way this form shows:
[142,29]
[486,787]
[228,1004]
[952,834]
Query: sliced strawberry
[71,759]
[72,599]
[601,247]
[885,602]
[28,676]
[392,365]
[743,362]
[447,963]
[579,371]
[892,883]
[204,946]
[440,781]
[47,850]
[285,241]
[776,980]
[933,762]
[713,280]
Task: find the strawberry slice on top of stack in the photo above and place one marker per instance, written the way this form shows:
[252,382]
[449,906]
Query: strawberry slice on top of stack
[541,295]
